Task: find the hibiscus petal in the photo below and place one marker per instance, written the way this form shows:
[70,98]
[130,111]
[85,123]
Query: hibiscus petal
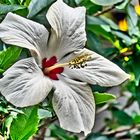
[25,33]
[24,84]
[68,28]
[98,70]
[74,105]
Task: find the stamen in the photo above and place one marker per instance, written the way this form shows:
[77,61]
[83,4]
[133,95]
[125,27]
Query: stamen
[80,61]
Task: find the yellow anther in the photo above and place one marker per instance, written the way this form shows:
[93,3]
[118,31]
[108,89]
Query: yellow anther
[79,61]
[123,25]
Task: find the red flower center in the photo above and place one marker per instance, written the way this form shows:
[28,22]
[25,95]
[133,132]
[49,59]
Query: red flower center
[47,63]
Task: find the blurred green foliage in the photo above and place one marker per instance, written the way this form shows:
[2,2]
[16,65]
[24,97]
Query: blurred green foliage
[113,30]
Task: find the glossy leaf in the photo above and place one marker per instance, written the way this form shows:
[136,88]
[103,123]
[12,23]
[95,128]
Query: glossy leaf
[3,110]
[95,21]
[8,57]
[10,8]
[103,97]
[98,26]
[111,23]
[123,4]
[91,8]
[96,136]
[25,125]
[136,70]
[58,132]
[125,38]
[125,118]
[93,43]
[78,1]
[132,14]
[136,119]
[42,113]
[106,2]
[36,6]
[132,21]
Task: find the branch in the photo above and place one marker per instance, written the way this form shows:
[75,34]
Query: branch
[129,103]
[104,11]
[100,110]
[121,130]
[43,127]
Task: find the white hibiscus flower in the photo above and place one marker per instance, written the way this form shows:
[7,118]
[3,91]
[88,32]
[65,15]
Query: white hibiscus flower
[58,62]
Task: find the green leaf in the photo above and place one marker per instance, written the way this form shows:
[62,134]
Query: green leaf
[103,97]
[99,27]
[3,110]
[125,38]
[25,125]
[112,24]
[96,136]
[60,133]
[136,119]
[94,43]
[95,21]
[123,4]
[42,113]
[91,8]
[10,108]
[136,69]
[41,18]
[1,70]
[36,6]
[10,8]
[132,14]
[8,121]
[106,2]
[13,1]
[78,1]
[98,30]
[132,20]
[135,136]
[8,57]
[121,117]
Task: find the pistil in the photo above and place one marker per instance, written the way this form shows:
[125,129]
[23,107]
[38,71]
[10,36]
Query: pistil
[51,68]
[48,69]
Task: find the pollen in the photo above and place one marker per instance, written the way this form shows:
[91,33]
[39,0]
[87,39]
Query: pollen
[79,61]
